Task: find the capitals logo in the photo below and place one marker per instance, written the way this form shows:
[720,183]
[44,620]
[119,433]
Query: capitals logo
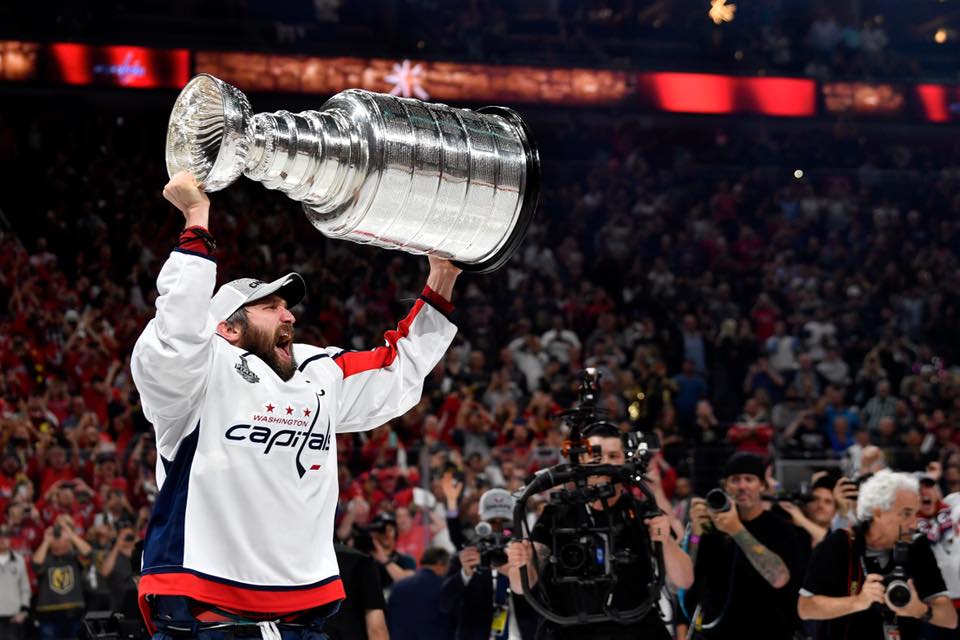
[300,435]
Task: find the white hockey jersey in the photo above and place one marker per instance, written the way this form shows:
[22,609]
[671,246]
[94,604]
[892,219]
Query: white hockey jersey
[247,464]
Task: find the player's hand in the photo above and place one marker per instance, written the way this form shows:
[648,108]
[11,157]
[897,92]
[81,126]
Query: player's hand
[727,521]
[470,560]
[19,617]
[183,192]
[438,265]
[872,591]
[699,515]
[659,528]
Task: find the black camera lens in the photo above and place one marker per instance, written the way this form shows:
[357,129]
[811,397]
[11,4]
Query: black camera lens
[898,592]
[572,556]
[57,531]
[129,537]
[718,501]
[497,557]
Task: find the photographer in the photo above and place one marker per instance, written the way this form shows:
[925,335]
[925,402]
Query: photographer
[746,558]
[115,570]
[817,512]
[394,565]
[874,563]
[58,564]
[476,592]
[632,534]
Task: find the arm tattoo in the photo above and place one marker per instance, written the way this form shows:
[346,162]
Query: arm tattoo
[767,563]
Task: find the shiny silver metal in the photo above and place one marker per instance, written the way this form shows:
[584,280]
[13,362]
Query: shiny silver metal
[372,168]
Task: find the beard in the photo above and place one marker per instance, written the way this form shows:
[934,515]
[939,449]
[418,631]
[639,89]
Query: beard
[268,347]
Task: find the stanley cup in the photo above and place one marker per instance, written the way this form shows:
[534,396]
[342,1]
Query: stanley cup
[372,168]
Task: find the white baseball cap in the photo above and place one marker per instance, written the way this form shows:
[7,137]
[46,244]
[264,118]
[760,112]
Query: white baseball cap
[497,503]
[237,293]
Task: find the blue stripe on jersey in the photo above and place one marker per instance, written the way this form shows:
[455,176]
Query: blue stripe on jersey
[304,364]
[164,543]
[243,585]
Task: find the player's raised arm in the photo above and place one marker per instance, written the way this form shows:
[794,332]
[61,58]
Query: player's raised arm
[170,361]
[385,382]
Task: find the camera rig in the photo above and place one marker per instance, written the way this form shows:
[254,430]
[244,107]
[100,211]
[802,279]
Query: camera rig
[588,553]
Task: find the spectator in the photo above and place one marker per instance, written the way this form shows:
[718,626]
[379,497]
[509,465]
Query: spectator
[881,405]
[59,564]
[803,438]
[691,388]
[412,610]
[937,523]
[782,349]
[14,590]
[116,570]
[752,431]
[393,564]
[694,345]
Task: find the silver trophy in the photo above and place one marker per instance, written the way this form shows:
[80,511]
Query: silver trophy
[372,168]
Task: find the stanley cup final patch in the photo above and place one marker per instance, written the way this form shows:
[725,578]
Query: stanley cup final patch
[245,371]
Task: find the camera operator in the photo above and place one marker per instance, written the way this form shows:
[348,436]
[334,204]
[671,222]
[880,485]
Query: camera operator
[631,534]
[747,564]
[476,592]
[895,585]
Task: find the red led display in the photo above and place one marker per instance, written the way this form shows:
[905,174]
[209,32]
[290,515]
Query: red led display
[134,67]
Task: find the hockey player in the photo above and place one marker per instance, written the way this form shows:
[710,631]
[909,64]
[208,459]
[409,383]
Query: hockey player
[241,536]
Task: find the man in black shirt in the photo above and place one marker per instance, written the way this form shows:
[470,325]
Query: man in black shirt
[361,615]
[844,587]
[632,577]
[747,569]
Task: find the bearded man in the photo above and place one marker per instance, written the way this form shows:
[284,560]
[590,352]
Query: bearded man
[240,541]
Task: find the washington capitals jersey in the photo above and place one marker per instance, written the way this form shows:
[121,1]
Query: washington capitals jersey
[247,464]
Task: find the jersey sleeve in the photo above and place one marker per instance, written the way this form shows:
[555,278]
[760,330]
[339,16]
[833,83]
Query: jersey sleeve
[172,358]
[386,382]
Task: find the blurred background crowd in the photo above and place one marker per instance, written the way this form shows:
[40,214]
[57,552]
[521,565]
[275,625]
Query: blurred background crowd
[784,289]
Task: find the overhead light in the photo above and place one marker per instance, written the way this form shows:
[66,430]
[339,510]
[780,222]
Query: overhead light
[721,12]
[940,36]
[798,174]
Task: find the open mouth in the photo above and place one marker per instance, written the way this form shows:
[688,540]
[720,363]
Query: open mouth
[284,346]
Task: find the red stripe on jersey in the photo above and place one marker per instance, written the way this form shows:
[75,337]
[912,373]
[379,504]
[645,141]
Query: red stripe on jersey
[235,598]
[191,241]
[442,304]
[354,362]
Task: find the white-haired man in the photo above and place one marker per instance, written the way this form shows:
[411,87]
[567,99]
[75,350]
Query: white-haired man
[856,562]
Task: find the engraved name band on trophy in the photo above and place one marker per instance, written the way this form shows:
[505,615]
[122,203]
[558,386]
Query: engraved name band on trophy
[372,168]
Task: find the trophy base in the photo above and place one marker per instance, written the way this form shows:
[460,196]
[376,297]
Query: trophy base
[531,195]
